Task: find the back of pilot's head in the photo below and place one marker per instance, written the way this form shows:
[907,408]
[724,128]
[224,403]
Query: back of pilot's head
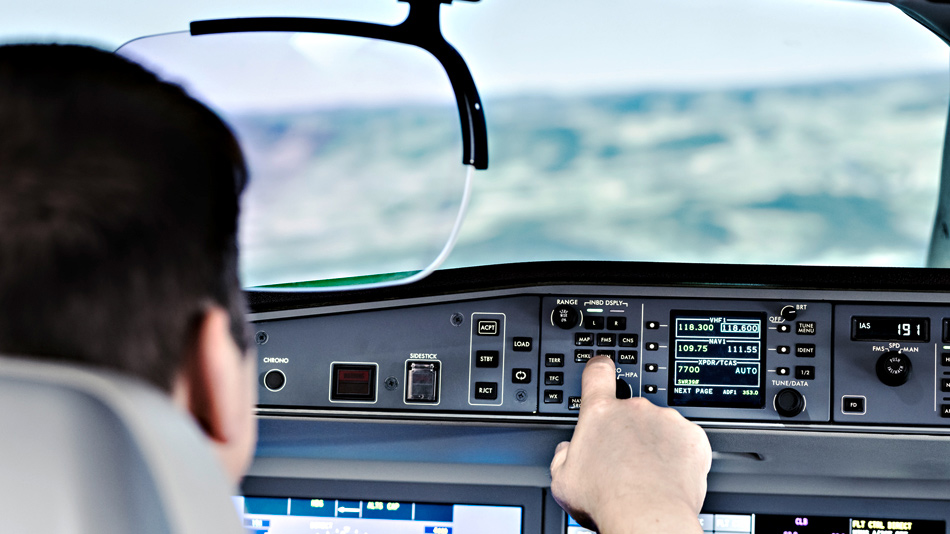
[118,206]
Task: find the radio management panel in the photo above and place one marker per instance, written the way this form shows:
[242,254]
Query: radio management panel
[797,358]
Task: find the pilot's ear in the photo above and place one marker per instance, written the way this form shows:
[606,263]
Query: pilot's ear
[217,387]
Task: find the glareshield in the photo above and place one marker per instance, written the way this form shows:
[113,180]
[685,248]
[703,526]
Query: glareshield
[352,144]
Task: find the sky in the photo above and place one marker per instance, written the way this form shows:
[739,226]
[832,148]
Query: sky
[517,46]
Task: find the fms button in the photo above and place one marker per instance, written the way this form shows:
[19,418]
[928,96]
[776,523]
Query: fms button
[487,327]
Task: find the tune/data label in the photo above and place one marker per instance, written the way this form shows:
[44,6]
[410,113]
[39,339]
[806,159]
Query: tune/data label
[716,359]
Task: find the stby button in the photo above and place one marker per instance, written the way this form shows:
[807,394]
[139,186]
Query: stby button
[486,358]
[853,405]
[486,390]
[805,328]
[487,327]
[523,344]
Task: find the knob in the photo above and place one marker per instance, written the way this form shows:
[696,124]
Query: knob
[789,313]
[789,402]
[565,317]
[893,368]
[624,391]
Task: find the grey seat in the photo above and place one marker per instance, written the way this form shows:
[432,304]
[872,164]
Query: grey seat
[85,451]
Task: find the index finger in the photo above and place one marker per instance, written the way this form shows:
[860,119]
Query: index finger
[599,380]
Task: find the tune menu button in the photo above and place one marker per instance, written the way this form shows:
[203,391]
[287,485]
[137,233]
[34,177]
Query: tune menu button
[806,328]
[805,350]
[584,339]
[554,360]
[594,323]
[629,340]
[553,396]
[616,323]
[606,340]
[486,390]
[783,349]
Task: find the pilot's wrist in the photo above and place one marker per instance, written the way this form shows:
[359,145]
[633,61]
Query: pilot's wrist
[650,518]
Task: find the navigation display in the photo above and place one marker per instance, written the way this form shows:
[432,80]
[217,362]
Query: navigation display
[716,359]
[801,524]
[269,515]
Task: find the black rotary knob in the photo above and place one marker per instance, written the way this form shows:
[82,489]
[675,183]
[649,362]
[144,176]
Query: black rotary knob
[789,402]
[893,368]
[789,313]
[565,317]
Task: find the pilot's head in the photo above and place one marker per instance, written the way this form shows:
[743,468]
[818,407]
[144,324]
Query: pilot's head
[118,217]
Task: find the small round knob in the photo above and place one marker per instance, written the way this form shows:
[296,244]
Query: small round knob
[565,317]
[893,368]
[789,313]
[789,402]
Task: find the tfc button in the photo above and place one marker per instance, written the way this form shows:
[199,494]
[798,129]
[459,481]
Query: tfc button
[553,396]
[486,390]
[523,344]
[553,379]
[853,404]
[554,360]
[521,376]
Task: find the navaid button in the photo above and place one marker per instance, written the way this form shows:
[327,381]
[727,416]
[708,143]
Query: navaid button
[523,344]
[574,403]
[486,390]
[487,327]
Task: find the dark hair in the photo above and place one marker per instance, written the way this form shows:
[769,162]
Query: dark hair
[119,199]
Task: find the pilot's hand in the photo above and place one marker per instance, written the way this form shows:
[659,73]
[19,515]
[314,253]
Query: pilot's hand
[631,466]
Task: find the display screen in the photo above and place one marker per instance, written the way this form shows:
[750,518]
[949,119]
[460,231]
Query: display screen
[269,515]
[801,524]
[716,359]
[890,329]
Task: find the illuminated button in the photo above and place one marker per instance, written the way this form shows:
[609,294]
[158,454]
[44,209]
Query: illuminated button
[805,350]
[608,353]
[627,357]
[946,330]
[522,344]
[574,403]
[805,328]
[945,359]
[652,325]
[584,339]
[649,388]
[945,384]
[804,372]
[606,340]
[782,371]
[274,380]
[582,356]
[594,323]
[554,360]
[353,382]
[783,349]
[629,340]
[486,358]
[486,390]
[487,327]
[616,323]
[784,328]
[553,379]
[853,405]
[652,346]
[945,410]
[521,376]
[651,367]
[553,396]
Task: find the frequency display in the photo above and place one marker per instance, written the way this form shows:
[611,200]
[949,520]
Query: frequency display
[716,359]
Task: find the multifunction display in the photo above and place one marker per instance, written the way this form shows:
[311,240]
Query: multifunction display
[890,329]
[716,359]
